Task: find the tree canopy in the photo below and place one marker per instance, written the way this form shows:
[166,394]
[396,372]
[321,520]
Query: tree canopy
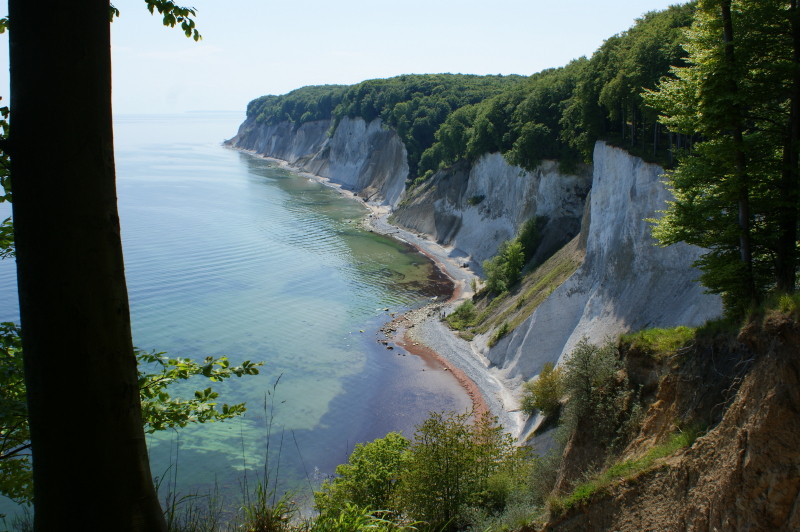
[736,190]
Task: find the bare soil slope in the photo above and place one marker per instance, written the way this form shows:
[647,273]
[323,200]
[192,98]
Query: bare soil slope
[743,475]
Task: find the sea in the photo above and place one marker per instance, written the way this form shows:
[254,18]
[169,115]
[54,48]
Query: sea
[229,254]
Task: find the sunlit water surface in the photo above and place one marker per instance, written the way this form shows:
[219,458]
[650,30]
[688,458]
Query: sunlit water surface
[228,254]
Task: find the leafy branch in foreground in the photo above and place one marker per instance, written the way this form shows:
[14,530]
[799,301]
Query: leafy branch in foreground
[159,409]
[174,14]
[15,466]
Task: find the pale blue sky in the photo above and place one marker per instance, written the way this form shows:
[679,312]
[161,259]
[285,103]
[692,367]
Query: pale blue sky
[253,47]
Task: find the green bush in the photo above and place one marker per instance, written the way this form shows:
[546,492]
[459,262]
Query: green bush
[503,270]
[463,316]
[451,469]
[530,235]
[499,333]
[368,479]
[597,398]
[544,393]
[455,469]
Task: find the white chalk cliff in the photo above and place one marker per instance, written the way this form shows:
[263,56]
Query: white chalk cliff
[474,208]
[625,282]
[365,158]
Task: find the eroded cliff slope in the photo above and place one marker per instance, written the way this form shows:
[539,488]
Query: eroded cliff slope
[744,473]
[474,208]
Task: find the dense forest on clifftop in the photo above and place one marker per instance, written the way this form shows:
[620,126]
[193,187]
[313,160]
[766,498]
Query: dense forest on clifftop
[555,114]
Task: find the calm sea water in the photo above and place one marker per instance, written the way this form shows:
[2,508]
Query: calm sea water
[227,254]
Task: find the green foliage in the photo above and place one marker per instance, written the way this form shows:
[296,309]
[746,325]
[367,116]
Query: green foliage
[161,411]
[306,104]
[368,479]
[417,105]
[476,200]
[607,102]
[659,342]
[529,236]
[788,304]
[173,15]
[501,331]
[598,398]
[736,189]
[503,270]
[6,227]
[6,239]
[455,469]
[15,465]
[450,467]
[544,474]
[463,316]
[560,113]
[545,392]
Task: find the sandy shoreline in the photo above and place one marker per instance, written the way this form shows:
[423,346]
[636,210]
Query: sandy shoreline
[421,331]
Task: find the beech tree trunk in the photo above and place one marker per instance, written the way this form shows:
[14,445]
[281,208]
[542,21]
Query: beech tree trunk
[90,464]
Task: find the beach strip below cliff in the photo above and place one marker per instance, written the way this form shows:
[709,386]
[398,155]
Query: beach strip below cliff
[421,331]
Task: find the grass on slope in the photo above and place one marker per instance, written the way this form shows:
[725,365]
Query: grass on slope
[624,470]
[506,311]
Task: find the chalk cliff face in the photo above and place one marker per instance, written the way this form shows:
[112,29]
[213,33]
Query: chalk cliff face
[625,282]
[363,157]
[474,209]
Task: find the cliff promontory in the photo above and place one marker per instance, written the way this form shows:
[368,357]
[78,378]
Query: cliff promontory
[365,158]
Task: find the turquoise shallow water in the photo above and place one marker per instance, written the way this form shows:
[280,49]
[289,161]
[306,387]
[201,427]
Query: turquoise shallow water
[227,254]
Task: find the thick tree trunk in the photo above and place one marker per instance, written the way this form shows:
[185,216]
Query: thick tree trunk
[786,253]
[90,461]
[739,161]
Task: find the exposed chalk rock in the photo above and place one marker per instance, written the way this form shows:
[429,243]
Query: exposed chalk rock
[474,209]
[625,283]
[365,158]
